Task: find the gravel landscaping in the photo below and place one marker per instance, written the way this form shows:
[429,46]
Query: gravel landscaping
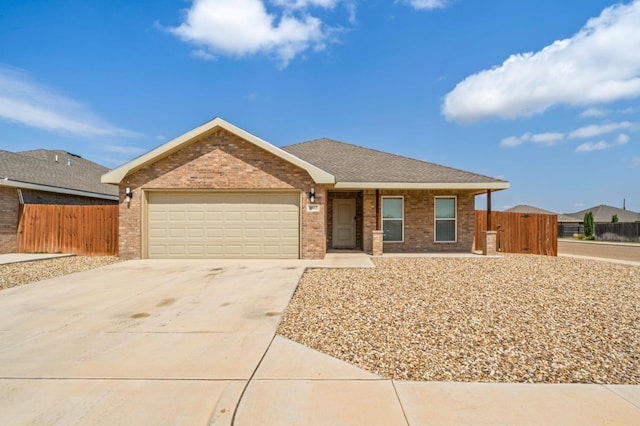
[15,274]
[518,318]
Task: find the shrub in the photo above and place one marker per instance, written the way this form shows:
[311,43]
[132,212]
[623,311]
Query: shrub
[614,218]
[588,225]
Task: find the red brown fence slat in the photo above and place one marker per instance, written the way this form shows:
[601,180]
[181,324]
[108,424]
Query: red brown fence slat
[520,232]
[84,230]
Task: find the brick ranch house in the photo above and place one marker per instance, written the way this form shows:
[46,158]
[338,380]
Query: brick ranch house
[46,177]
[218,191]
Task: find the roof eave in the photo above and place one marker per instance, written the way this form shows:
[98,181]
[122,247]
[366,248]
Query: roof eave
[116,176]
[57,190]
[476,186]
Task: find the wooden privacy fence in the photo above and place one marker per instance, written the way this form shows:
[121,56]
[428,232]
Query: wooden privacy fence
[84,230]
[619,231]
[520,232]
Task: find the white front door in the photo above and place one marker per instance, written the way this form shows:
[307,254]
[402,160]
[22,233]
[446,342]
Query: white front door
[344,223]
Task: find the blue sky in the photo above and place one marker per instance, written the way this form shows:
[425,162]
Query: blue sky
[544,94]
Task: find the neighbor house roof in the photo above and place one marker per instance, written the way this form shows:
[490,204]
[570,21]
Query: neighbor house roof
[524,208]
[54,171]
[358,168]
[116,176]
[604,213]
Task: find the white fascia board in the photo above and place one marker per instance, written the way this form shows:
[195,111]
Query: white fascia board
[116,176]
[57,190]
[494,186]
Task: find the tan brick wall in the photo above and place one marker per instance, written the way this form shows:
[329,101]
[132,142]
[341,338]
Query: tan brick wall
[419,221]
[222,161]
[369,219]
[9,206]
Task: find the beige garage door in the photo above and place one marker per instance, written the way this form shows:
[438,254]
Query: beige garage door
[223,225]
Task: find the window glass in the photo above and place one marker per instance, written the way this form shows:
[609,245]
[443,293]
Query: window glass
[445,230]
[445,208]
[445,220]
[392,208]
[392,219]
[392,230]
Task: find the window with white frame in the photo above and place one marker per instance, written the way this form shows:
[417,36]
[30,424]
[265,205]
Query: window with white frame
[392,219]
[445,220]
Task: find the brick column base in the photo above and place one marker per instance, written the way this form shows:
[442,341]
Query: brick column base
[490,243]
[377,243]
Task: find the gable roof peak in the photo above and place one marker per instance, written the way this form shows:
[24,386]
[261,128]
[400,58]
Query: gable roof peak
[117,175]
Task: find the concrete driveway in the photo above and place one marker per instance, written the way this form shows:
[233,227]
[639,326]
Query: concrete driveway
[139,342]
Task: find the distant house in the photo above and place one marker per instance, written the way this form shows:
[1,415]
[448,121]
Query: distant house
[604,213]
[524,208]
[567,225]
[46,177]
[627,228]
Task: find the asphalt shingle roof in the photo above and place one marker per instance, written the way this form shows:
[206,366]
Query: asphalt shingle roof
[352,163]
[40,167]
[524,208]
[604,213]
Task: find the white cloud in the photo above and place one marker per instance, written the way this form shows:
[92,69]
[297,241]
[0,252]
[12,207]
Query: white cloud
[598,65]
[512,141]
[246,27]
[635,162]
[203,54]
[25,101]
[593,130]
[600,129]
[594,112]
[304,4]
[427,4]
[602,145]
[550,138]
[622,139]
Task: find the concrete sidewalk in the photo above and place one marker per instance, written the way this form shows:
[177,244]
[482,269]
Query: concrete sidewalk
[8,258]
[297,385]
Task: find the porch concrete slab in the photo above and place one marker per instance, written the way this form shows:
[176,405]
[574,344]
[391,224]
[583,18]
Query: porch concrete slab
[630,393]
[342,260]
[116,402]
[441,255]
[522,404]
[287,359]
[29,257]
[320,402]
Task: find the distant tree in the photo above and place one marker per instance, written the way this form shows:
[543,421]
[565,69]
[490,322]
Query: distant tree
[614,218]
[588,224]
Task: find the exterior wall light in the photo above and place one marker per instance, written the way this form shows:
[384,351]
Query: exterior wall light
[312,195]
[128,194]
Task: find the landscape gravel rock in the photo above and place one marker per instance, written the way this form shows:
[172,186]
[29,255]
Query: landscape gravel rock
[15,274]
[517,318]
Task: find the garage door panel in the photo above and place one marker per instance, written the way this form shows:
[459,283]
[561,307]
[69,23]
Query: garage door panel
[217,225]
[175,250]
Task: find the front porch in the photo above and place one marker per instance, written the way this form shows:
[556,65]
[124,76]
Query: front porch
[376,221]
